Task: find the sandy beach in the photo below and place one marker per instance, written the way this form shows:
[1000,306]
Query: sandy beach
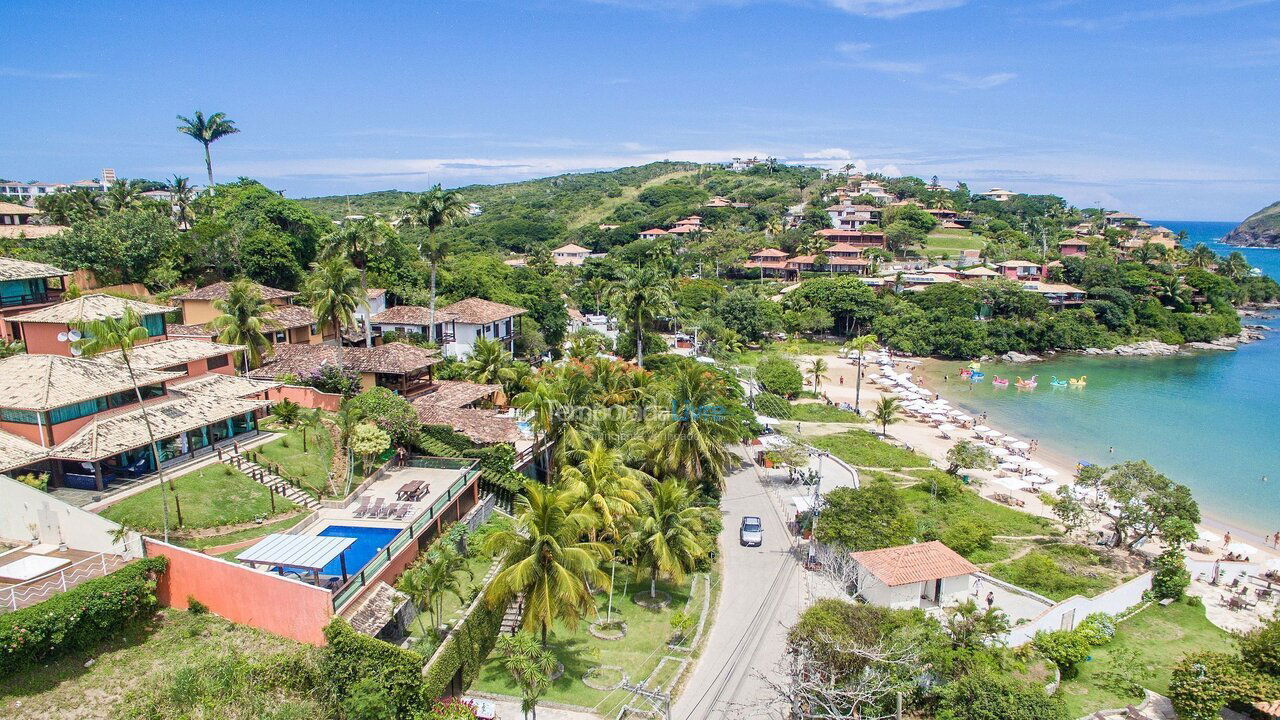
[928,441]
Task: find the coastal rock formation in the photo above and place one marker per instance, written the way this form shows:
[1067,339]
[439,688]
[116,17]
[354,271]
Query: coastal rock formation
[1261,229]
[1017,357]
[1145,348]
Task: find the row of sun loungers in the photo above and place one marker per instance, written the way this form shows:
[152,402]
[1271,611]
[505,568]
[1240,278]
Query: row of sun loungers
[381,510]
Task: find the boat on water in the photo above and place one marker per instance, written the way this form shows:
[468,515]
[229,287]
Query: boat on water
[1054,381]
[999,381]
[1080,381]
[1027,384]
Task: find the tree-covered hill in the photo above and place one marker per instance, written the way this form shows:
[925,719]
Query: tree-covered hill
[1261,229]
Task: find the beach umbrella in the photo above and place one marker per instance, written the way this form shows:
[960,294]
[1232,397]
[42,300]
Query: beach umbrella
[1009,440]
[1008,466]
[999,452]
[1016,460]
[1020,446]
[981,429]
[1049,472]
[1033,465]
[1273,564]
[1014,483]
[947,427]
[939,418]
[1242,548]
[964,418]
[1035,479]
[993,434]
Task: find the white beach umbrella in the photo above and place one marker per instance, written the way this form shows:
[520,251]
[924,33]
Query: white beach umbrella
[1013,482]
[1242,548]
[1035,479]
[993,434]
[1049,472]
[1008,466]
[947,427]
[1009,440]
[964,418]
[1020,446]
[1273,565]
[999,452]
[980,429]
[1016,460]
[939,418]
[1033,465]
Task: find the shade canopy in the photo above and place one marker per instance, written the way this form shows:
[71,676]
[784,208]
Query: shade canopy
[309,552]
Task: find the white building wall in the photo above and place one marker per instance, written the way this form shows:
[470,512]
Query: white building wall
[29,515]
[1067,614]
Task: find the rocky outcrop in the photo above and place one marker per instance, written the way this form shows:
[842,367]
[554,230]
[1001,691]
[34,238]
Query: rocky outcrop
[1017,357]
[1261,229]
[1146,348]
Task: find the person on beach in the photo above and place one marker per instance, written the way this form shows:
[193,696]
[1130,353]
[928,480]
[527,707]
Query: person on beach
[1275,539]
[841,379]
[1111,450]
[1226,539]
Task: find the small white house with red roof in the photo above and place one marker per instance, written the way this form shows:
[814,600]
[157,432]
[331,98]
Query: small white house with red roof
[652,234]
[921,575]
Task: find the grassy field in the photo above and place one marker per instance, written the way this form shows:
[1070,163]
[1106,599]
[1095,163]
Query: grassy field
[639,652]
[1060,570]
[822,412]
[1159,636]
[951,242]
[266,528]
[212,496]
[149,655]
[310,468]
[598,212]
[859,447]
[968,506]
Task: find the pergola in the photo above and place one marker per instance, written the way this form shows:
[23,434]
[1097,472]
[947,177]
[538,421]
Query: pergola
[303,552]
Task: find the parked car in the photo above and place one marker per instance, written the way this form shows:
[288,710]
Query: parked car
[751,532]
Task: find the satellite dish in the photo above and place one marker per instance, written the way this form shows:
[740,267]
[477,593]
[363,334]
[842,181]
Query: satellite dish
[76,351]
[62,337]
[74,335]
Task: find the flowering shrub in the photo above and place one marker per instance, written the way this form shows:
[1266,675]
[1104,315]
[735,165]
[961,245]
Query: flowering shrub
[79,618]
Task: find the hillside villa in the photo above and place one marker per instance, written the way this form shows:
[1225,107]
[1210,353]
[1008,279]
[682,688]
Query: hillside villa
[26,286]
[997,194]
[570,254]
[47,329]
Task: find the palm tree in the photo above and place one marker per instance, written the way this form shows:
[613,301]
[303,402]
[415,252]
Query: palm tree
[207,131]
[1234,265]
[286,412]
[356,241]
[605,487]
[489,362]
[335,293]
[886,413]
[599,288]
[692,442]
[414,584]
[542,402]
[665,536]
[817,368]
[1172,293]
[309,420]
[544,559]
[182,194]
[862,344]
[442,569]
[529,665]
[1201,256]
[241,321]
[123,194]
[645,294]
[123,334]
[431,211]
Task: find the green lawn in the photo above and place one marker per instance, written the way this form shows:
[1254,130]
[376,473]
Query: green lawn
[639,652]
[147,655]
[310,468]
[951,242]
[969,506]
[822,412]
[859,447]
[1160,636]
[212,496]
[266,528]
[1060,570]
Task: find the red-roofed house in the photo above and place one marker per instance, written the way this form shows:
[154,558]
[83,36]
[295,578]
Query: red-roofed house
[921,575]
[770,261]
[1074,246]
[652,234]
[852,237]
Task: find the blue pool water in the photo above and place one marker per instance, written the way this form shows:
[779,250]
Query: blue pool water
[369,540]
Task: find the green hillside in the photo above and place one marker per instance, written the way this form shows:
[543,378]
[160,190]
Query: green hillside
[1261,229]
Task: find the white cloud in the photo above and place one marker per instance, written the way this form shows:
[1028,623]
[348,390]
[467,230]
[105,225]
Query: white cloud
[828,154]
[894,67]
[890,170]
[892,8]
[853,48]
[981,82]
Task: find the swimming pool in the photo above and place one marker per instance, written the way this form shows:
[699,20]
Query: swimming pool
[368,541]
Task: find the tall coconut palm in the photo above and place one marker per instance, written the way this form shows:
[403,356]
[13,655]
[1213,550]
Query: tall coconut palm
[644,295]
[431,211]
[886,413]
[123,334]
[488,363]
[1172,293]
[1201,256]
[356,241]
[442,570]
[1234,265]
[862,344]
[182,194]
[692,442]
[207,131]
[334,291]
[599,288]
[544,559]
[604,487]
[241,321]
[123,195]
[542,402]
[817,368]
[665,534]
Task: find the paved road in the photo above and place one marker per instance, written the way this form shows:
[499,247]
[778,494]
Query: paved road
[762,594]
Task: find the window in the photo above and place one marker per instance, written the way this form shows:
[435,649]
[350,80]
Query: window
[154,324]
[26,417]
[279,337]
[71,412]
[218,362]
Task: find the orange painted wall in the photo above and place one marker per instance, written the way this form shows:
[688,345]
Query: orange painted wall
[42,338]
[288,608]
[307,397]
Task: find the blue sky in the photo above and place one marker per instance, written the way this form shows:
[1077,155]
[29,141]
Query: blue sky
[1164,108]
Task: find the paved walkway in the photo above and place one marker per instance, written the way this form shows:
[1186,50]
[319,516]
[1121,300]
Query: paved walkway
[762,593]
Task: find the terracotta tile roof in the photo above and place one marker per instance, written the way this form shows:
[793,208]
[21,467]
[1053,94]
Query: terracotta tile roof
[1017,263]
[906,564]
[475,311]
[458,393]
[770,264]
[843,247]
[571,248]
[373,293]
[90,307]
[8,208]
[14,269]
[167,353]
[222,385]
[809,260]
[189,331]
[108,435]
[1078,243]
[289,316]
[219,291]
[979,272]
[16,451]
[768,252]
[44,382]
[684,229]
[301,360]
[31,231]
[409,315]
[654,231]
[482,426]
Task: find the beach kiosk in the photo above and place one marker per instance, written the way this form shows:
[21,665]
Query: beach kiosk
[299,555]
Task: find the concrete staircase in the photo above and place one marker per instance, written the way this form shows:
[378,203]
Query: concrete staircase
[232,457]
[514,615]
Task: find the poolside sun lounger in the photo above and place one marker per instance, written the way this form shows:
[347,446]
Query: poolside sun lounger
[363,509]
[386,511]
[375,508]
[402,511]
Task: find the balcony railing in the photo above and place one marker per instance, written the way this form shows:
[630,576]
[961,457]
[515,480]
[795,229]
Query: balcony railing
[29,299]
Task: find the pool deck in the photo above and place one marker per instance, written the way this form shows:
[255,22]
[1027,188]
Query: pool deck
[438,481]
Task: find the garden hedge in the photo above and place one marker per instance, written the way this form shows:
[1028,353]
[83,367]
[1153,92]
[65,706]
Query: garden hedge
[351,657]
[465,649]
[79,618]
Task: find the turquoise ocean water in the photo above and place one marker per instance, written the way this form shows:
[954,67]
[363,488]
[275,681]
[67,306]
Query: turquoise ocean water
[1210,420]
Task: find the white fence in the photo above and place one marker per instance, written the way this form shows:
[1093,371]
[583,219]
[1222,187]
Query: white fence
[37,590]
[1068,613]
